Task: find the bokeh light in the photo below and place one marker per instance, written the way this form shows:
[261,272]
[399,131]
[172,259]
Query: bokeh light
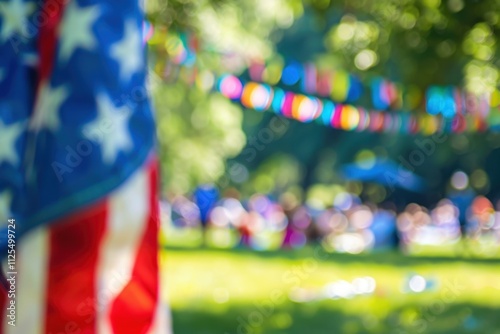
[459,180]
[230,86]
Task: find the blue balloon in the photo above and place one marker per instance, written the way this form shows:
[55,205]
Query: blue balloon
[291,74]
[327,113]
[355,89]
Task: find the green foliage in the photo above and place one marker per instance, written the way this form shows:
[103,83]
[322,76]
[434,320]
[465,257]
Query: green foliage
[197,128]
[416,42]
[419,42]
[277,173]
[196,133]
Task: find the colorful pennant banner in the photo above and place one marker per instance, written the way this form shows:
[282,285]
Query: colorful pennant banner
[328,96]
[306,108]
[344,87]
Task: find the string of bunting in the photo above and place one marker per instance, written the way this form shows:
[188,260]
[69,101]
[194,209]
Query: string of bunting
[306,108]
[344,87]
[338,85]
[329,96]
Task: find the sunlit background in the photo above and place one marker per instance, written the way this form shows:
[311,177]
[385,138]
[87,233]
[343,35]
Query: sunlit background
[328,167]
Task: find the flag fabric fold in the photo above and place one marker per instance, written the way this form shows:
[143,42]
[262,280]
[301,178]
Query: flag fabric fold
[78,171]
[76,120]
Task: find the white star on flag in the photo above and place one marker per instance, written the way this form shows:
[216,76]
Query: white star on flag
[5,203]
[46,114]
[76,29]
[128,51]
[111,126]
[14,14]
[10,134]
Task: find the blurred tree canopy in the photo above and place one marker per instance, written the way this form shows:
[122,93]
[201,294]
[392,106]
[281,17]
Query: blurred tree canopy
[198,129]
[415,42]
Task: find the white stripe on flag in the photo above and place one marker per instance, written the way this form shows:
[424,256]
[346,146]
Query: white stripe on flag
[126,223]
[162,323]
[32,263]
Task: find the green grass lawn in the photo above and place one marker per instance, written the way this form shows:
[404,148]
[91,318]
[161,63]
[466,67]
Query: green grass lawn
[243,291]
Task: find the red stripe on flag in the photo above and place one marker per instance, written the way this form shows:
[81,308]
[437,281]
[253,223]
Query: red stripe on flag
[134,308]
[71,285]
[47,39]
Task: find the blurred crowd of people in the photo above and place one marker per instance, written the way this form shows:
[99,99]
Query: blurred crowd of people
[349,225]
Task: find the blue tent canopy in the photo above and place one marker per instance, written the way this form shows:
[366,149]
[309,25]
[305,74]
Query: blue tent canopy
[384,172]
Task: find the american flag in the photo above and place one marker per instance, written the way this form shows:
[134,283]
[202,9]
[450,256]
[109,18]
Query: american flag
[77,168]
